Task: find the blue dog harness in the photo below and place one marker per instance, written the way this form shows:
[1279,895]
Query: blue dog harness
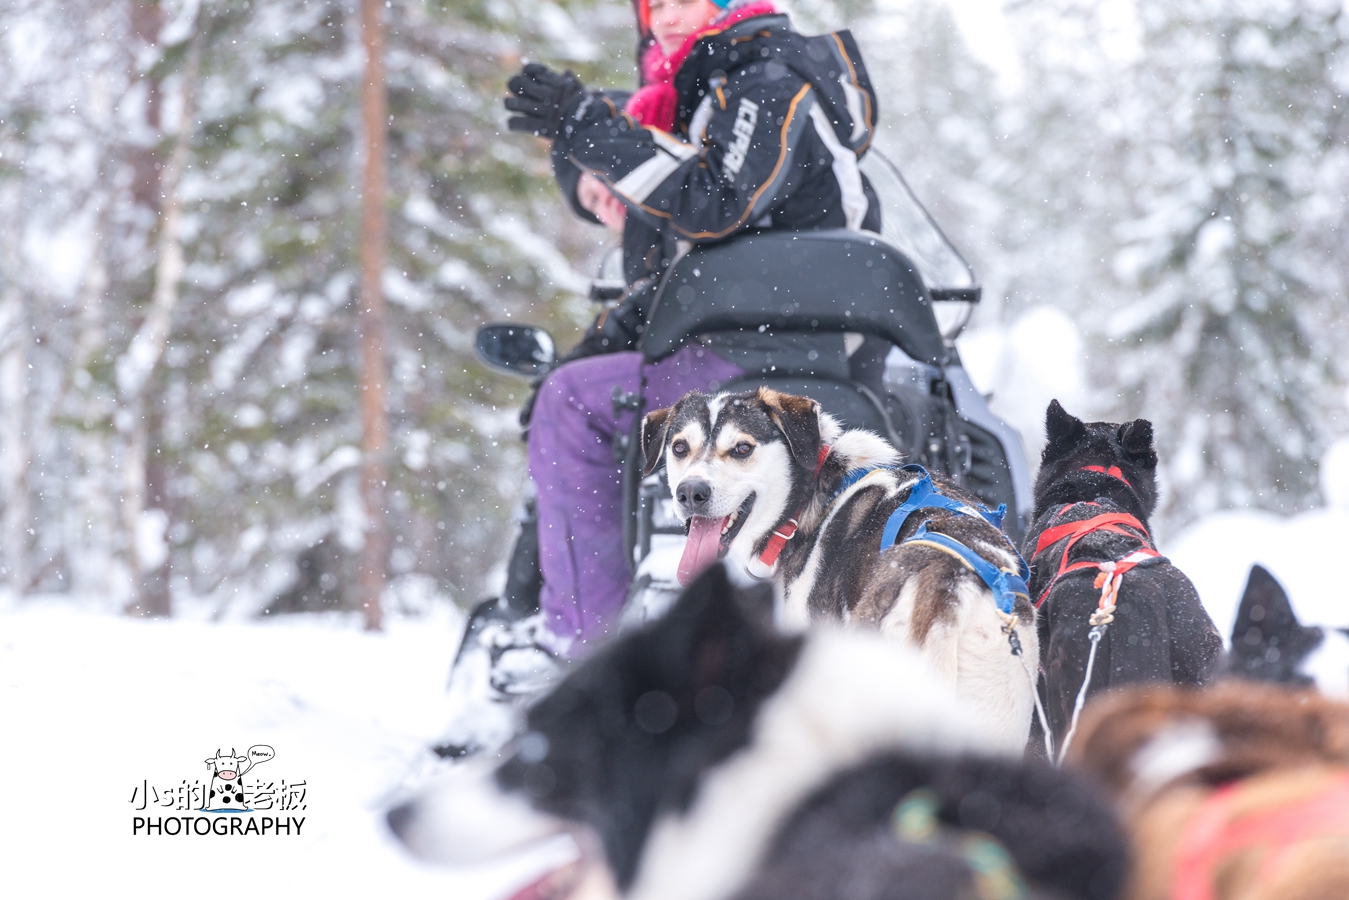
[1005,584]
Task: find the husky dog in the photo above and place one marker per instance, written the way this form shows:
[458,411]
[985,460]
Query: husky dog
[775,486]
[1270,644]
[707,756]
[1092,559]
[1239,791]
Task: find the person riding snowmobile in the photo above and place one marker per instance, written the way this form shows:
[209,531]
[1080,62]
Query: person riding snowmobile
[742,123]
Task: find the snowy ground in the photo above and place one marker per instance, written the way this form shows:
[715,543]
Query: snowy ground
[94,706]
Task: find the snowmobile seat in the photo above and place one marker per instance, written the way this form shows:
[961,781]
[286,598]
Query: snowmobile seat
[811,281]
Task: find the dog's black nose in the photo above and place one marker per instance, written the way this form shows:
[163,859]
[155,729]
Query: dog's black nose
[693,495]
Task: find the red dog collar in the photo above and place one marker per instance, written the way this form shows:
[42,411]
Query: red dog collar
[786,530]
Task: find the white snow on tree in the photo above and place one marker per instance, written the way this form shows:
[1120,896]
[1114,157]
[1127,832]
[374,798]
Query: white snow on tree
[204,452]
[1237,163]
[179,200]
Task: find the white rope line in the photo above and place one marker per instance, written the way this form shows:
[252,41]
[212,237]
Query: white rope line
[1009,628]
[1039,709]
[1095,637]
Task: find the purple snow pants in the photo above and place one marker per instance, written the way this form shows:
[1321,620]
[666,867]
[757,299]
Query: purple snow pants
[580,486]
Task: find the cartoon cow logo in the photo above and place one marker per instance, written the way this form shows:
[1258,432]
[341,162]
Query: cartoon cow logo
[226,791]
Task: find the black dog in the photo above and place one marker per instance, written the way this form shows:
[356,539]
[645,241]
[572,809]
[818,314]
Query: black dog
[1090,547]
[854,839]
[1270,644]
[707,757]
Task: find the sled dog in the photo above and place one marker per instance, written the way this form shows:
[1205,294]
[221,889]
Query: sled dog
[709,756]
[775,486]
[1238,791]
[1093,564]
[1270,644]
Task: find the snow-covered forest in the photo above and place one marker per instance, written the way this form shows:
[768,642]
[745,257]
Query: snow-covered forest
[1154,194]
[180,197]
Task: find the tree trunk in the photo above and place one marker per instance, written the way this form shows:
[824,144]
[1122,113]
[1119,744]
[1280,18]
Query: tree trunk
[374,424]
[153,558]
[92,528]
[145,513]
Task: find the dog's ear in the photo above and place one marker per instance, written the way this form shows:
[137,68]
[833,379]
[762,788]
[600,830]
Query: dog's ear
[1264,607]
[653,438]
[798,418]
[1062,430]
[1266,621]
[1136,439]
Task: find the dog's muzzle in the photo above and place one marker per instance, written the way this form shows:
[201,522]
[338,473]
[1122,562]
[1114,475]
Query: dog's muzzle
[693,496]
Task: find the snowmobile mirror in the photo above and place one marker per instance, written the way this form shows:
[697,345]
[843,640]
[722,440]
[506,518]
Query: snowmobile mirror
[516,349]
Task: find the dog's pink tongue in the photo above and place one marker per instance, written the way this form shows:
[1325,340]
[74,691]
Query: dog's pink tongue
[701,548]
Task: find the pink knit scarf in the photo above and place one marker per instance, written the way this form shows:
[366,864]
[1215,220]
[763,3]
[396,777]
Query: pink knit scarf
[655,103]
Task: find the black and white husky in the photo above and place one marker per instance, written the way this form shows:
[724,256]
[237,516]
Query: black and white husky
[775,486]
[708,756]
[1270,644]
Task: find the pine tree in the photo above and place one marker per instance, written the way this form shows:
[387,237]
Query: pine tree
[249,412]
[1062,153]
[476,231]
[1238,139]
[81,99]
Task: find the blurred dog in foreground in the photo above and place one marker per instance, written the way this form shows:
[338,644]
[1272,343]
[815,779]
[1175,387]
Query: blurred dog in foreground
[708,757]
[776,486]
[1236,792]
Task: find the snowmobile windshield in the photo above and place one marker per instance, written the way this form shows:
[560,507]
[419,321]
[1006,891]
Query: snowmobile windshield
[909,227]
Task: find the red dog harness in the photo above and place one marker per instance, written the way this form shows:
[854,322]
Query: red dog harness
[1076,531]
[1113,472]
[1111,571]
[1217,830]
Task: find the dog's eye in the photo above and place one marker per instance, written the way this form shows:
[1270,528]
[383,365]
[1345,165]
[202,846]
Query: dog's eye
[680,448]
[742,449]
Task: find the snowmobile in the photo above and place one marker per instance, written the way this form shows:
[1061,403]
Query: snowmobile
[906,290]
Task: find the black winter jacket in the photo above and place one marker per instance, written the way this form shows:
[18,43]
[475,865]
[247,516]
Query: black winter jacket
[769,129]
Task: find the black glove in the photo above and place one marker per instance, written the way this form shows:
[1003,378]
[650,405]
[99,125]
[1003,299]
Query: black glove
[620,327]
[542,99]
